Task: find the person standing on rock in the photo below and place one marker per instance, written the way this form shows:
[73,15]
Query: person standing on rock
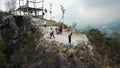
[52,33]
[60,29]
[69,36]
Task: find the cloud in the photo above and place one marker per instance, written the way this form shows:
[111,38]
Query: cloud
[2,5]
[100,2]
[85,11]
[94,11]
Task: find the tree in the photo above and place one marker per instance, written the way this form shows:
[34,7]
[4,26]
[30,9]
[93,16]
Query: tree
[10,6]
[116,35]
[2,14]
[63,12]
[105,45]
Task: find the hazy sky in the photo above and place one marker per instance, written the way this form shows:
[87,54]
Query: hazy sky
[84,11]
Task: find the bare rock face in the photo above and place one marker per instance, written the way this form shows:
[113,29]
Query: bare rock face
[9,31]
[16,34]
[11,26]
[40,53]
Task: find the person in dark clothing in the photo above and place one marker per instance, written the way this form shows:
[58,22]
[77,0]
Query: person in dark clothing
[69,37]
[52,33]
[44,22]
[60,29]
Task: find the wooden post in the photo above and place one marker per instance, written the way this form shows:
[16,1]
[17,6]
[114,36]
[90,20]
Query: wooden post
[19,7]
[35,7]
[42,9]
[51,11]
[27,7]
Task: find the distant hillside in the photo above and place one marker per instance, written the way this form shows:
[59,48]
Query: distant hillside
[114,25]
[109,28]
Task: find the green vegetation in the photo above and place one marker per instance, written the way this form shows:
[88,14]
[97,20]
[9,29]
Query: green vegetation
[106,46]
[2,14]
[31,50]
[25,37]
[2,47]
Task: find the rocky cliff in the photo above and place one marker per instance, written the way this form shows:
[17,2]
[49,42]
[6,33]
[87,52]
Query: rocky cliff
[23,46]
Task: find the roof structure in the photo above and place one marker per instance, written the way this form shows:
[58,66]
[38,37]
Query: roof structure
[29,9]
[26,8]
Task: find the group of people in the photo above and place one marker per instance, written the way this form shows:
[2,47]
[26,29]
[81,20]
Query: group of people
[59,30]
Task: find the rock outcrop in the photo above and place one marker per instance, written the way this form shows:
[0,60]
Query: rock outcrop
[29,49]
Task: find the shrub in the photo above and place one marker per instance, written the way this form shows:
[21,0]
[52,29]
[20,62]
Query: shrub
[104,45]
[95,36]
[2,14]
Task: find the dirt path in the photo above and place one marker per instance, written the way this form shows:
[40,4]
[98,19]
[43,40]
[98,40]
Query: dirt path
[76,38]
[81,38]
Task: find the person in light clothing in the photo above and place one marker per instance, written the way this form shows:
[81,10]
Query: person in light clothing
[52,33]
